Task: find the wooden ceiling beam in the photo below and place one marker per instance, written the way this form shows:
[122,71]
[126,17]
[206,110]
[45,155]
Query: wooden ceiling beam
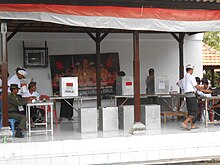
[15,32]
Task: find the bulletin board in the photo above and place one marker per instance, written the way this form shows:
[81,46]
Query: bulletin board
[84,66]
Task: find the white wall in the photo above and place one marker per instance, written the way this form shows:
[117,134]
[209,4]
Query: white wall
[159,51]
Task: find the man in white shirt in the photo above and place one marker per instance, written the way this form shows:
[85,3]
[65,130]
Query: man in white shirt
[31,93]
[37,114]
[190,87]
[16,79]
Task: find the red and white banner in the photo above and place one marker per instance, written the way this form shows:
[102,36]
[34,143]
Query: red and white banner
[116,17]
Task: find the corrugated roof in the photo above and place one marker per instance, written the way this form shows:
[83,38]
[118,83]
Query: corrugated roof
[210,56]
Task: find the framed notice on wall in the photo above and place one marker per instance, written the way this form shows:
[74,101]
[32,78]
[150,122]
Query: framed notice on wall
[162,84]
[83,66]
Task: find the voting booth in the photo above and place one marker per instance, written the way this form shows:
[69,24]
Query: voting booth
[126,117]
[124,86]
[108,119]
[150,116]
[69,86]
[88,120]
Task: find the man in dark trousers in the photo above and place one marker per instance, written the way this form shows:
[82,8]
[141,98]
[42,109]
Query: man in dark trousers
[150,87]
[190,87]
[14,101]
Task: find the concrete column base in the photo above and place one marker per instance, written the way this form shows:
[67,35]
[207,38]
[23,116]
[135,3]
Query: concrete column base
[6,134]
[138,128]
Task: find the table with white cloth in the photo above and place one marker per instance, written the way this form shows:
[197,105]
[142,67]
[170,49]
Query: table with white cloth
[45,123]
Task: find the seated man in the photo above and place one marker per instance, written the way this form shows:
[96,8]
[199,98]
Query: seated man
[14,101]
[37,114]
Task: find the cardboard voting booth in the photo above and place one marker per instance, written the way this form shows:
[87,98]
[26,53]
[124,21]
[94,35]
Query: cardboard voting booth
[126,117]
[150,116]
[124,86]
[69,86]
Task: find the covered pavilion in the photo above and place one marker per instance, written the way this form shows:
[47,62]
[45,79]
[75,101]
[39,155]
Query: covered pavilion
[104,17]
[98,18]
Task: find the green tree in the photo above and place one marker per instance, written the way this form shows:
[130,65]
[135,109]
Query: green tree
[212,39]
[208,75]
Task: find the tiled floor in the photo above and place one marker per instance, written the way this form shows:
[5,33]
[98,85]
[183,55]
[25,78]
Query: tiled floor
[67,146]
[68,130]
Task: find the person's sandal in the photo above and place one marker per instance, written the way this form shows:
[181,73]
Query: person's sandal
[195,127]
[184,127]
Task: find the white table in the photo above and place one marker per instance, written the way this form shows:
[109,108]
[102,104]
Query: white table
[28,113]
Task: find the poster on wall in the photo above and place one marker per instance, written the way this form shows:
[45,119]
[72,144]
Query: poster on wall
[83,66]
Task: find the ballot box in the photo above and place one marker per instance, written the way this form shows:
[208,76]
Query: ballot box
[108,119]
[150,116]
[69,86]
[124,86]
[126,117]
[88,120]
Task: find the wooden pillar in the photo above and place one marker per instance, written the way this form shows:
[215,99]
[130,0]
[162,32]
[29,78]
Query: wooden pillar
[180,40]
[98,39]
[213,77]
[181,66]
[4,74]
[98,72]
[136,75]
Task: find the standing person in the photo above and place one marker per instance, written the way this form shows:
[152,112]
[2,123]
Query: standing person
[120,74]
[66,108]
[16,79]
[14,101]
[150,87]
[190,87]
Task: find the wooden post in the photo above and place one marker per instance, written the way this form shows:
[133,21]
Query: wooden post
[213,77]
[136,75]
[180,41]
[98,72]
[4,74]
[98,39]
[181,66]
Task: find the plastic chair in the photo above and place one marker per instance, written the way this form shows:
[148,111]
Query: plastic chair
[12,123]
[49,109]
